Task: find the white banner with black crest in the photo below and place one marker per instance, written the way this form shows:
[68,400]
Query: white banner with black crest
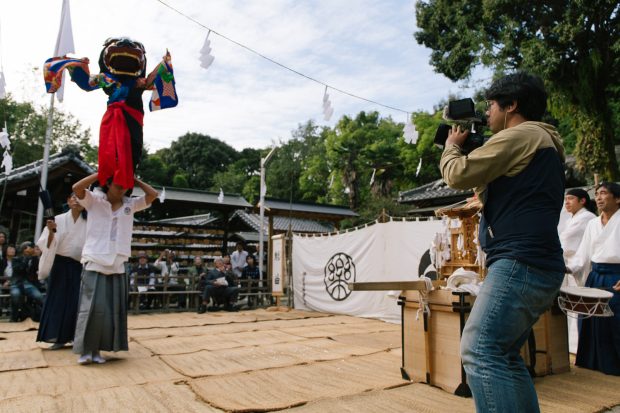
[323,266]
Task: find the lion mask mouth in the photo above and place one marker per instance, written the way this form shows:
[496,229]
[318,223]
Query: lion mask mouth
[123,56]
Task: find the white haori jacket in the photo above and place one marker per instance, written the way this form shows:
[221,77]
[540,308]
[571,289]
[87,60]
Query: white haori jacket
[571,235]
[108,233]
[600,244]
[68,239]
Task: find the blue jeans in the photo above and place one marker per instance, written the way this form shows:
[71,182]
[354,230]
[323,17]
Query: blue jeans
[512,298]
[20,289]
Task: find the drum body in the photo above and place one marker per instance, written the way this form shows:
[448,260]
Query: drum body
[585,302]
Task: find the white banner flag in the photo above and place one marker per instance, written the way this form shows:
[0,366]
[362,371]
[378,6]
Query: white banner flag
[324,266]
[64,42]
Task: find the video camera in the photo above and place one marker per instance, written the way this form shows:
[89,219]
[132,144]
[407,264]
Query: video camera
[463,113]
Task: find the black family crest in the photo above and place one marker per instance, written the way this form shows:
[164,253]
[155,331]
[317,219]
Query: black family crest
[339,272]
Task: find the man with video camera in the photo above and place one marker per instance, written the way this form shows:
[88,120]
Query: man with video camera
[518,175]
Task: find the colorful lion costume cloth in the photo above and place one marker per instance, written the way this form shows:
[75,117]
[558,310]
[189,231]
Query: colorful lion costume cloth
[122,63]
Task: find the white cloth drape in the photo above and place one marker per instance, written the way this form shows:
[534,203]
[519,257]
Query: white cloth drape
[382,252]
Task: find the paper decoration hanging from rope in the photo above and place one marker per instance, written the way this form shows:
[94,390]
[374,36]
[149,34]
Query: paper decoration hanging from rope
[7,159]
[419,168]
[372,178]
[328,110]
[162,195]
[220,197]
[7,162]
[4,140]
[410,133]
[2,86]
[206,58]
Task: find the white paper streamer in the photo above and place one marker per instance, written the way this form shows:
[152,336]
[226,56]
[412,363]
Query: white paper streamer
[328,110]
[206,58]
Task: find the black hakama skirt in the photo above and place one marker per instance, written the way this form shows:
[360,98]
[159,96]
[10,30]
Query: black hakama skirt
[599,337]
[60,310]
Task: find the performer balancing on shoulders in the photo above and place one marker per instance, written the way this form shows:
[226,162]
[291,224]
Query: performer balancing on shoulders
[102,312]
[599,337]
[519,177]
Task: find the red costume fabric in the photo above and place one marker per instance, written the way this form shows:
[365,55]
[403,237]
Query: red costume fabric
[115,158]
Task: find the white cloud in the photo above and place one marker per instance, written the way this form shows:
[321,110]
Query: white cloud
[365,47]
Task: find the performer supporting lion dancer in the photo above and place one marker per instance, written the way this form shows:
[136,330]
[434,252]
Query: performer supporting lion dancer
[102,311]
[598,257]
[123,67]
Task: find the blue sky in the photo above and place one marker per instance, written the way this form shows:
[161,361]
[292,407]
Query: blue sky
[365,47]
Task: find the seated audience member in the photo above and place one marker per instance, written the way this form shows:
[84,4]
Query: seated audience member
[221,285]
[3,247]
[169,268]
[23,268]
[7,271]
[251,275]
[143,280]
[227,264]
[197,274]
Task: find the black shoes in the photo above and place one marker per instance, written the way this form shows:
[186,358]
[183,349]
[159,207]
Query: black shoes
[202,309]
[231,307]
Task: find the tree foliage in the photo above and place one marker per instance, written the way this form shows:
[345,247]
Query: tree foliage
[27,125]
[197,158]
[573,45]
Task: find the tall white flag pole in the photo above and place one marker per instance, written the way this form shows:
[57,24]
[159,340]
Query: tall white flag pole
[263,192]
[64,45]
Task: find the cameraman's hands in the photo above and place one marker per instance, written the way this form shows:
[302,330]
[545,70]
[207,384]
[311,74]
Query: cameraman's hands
[457,136]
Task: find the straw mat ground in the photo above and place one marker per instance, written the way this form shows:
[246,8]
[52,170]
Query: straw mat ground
[298,362]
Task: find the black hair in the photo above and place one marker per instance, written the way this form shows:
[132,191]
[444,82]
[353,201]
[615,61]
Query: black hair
[24,245]
[580,194]
[612,187]
[105,188]
[527,90]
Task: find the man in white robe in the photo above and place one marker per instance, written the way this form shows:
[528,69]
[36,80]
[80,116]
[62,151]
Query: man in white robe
[598,258]
[576,203]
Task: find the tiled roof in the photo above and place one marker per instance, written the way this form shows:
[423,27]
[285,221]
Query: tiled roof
[434,190]
[33,169]
[197,220]
[201,197]
[304,207]
[281,223]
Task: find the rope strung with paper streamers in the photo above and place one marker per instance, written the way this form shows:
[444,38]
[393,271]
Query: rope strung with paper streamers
[206,59]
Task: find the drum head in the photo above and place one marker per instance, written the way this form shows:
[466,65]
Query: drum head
[587,292]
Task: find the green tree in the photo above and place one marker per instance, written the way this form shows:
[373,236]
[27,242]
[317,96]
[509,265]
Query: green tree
[573,45]
[153,170]
[236,177]
[198,158]
[356,147]
[27,125]
[425,149]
